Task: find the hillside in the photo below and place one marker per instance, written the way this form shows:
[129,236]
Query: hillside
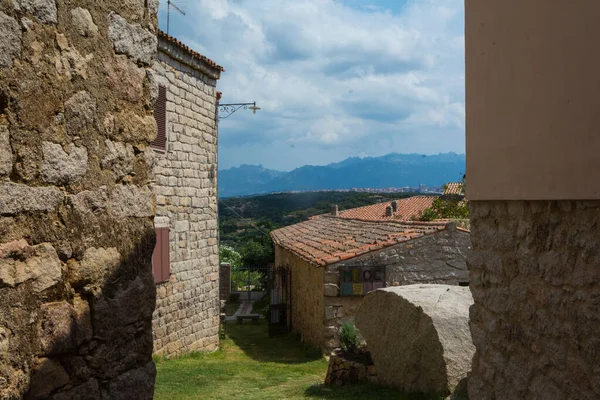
[246,219]
[392,170]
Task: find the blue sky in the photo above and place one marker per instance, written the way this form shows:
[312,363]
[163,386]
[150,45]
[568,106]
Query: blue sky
[334,78]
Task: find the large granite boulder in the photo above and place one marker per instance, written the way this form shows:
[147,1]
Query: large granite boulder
[418,336]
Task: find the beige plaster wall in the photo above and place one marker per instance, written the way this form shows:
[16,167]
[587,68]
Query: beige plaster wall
[308,307]
[532,99]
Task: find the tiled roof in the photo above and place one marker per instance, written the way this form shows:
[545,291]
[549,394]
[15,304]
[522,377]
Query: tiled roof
[327,240]
[454,188]
[407,208]
[193,53]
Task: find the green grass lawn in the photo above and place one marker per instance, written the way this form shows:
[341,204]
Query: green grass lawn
[250,365]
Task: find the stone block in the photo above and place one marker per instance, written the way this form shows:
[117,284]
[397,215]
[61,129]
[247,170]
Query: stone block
[131,201]
[118,157]
[64,327]
[44,10]
[332,277]
[22,263]
[47,376]
[132,39]
[427,344]
[89,390]
[83,22]
[90,201]
[132,128]
[97,263]
[109,314]
[10,40]
[332,290]
[5,149]
[18,198]
[80,110]
[134,384]
[60,167]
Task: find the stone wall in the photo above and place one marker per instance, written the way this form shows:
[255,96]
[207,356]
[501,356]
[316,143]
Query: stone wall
[535,279]
[437,258]
[307,296]
[225,282]
[343,371]
[76,230]
[187,306]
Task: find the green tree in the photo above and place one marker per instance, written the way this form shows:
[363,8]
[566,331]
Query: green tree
[229,255]
[446,207]
[258,252]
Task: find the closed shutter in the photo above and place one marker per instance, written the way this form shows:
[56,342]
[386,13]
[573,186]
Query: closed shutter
[166,267]
[160,258]
[160,115]
[157,258]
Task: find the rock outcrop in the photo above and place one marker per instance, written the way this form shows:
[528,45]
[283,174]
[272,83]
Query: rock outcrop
[418,336]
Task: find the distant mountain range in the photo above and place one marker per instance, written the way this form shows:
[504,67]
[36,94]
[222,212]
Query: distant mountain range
[391,170]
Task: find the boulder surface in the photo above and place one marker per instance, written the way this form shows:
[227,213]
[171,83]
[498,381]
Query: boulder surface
[418,336]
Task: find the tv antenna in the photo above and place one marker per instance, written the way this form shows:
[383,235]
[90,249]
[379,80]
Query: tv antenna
[169,5]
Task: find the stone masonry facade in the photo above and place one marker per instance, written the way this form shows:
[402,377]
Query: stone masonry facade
[535,279]
[76,209]
[438,258]
[187,307]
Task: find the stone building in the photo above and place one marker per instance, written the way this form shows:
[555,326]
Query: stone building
[186,257]
[532,167]
[335,261]
[76,209]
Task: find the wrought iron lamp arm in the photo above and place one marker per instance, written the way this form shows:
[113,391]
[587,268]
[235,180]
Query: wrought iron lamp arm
[230,108]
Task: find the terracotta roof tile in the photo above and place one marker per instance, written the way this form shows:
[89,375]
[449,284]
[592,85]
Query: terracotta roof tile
[325,240]
[454,188]
[193,53]
[407,208]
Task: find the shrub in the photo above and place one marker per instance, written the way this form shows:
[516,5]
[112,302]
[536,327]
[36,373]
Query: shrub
[349,339]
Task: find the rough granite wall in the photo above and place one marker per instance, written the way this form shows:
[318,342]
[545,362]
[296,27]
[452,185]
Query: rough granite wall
[76,229]
[187,306]
[307,296]
[535,279]
[438,258]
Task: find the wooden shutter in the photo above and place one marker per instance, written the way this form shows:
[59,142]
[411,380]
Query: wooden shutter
[157,258]
[166,267]
[160,258]
[160,114]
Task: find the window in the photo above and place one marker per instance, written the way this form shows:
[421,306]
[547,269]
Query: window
[160,258]
[160,115]
[360,280]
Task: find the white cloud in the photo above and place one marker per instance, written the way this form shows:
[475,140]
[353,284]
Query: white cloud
[333,80]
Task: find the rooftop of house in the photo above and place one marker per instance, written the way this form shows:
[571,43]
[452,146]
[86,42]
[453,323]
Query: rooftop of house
[192,53]
[405,210]
[329,239]
[454,188]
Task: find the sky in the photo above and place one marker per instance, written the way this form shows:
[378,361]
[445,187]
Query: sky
[334,78]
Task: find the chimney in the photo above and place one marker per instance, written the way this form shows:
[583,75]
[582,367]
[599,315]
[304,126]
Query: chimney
[388,211]
[394,206]
[334,210]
